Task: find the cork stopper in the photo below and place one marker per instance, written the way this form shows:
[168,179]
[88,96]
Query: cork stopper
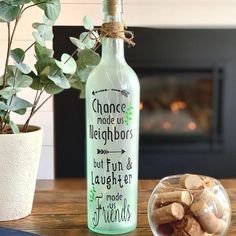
[113,7]
[199,208]
[191,181]
[169,213]
[208,220]
[183,197]
[188,226]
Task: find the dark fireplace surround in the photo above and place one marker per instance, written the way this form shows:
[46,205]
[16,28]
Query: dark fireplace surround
[162,52]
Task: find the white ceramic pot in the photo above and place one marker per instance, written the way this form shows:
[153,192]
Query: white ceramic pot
[19,159]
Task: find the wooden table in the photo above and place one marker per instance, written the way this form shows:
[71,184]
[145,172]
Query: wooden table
[60,209]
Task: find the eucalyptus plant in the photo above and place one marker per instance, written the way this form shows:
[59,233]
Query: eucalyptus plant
[49,75]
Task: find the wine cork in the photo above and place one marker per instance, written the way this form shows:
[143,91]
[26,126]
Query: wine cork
[220,207]
[190,181]
[188,226]
[170,187]
[168,214]
[208,220]
[183,197]
[112,7]
[196,193]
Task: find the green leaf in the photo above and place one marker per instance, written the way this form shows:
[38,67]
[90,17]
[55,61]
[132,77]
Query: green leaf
[37,84]
[60,80]
[40,3]
[8,12]
[17,2]
[45,71]
[1,80]
[14,127]
[35,25]
[45,32]
[44,62]
[12,75]
[53,89]
[11,81]
[87,57]
[82,93]
[21,81]
[11,71]
[53,9]
[84,73]
[47,21]
[39,39]
[3,106]
[2,113]
[7,92]
[88,24]
[78,43]
[24,68]
[77,85]
[67,64]
[88,42]
[17,55]
[42,52]
[21,111]
[17,104]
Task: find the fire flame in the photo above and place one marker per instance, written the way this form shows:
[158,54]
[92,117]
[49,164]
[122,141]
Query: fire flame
[141,106]
[192,125]
[176,106]
[166,125]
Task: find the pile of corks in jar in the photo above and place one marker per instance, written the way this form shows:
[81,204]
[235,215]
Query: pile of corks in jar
[189,208]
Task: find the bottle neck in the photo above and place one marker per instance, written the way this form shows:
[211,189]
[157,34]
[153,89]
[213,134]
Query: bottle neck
[112,48]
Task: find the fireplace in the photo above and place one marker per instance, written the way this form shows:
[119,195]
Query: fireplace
[187,123]
[180,104]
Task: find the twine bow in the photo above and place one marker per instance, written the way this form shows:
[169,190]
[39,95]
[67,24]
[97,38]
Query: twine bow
[116,30]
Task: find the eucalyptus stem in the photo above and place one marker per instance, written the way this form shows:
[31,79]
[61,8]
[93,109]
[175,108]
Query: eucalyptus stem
[49,97]
[4,125]
[35,110]
[1,124]
[10,40]
[10,37]
[8,53]
[97,47]
[27,49]
[36,101]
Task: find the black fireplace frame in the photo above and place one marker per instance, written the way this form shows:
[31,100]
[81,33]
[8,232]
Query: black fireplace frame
[196,142]
[211,50]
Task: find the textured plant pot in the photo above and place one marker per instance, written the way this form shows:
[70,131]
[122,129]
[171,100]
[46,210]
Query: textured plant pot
[19,159]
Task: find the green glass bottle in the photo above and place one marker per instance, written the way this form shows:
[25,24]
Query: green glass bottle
[112,129]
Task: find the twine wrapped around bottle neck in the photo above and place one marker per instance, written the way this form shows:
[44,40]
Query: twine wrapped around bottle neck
[116,30]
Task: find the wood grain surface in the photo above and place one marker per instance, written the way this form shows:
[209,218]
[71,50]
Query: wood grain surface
[60,208]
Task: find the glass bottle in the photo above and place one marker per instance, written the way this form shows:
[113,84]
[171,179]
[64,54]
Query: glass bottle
[112,129]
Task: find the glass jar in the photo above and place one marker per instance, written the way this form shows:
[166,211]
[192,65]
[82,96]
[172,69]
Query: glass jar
[190,205]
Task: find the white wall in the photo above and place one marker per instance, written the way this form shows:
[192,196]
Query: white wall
[158,13]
